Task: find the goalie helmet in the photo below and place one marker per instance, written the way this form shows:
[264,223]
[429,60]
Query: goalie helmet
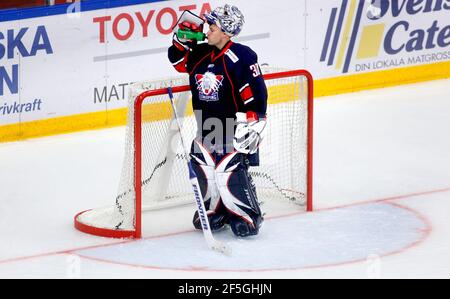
[228,18]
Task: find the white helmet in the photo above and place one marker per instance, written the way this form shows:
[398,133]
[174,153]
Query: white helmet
[228,18]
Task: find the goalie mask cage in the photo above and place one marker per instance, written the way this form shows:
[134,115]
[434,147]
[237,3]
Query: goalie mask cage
[154,172]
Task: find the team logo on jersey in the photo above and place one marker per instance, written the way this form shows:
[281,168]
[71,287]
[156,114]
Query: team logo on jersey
[208,86]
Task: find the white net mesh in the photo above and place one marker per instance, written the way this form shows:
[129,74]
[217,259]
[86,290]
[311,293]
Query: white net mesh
[165,182]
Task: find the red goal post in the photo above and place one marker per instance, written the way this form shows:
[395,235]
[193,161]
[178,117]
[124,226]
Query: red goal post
[285,89]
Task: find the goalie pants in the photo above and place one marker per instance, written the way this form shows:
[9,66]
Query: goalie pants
[227,189]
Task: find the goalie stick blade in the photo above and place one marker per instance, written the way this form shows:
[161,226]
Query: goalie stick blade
[221,247]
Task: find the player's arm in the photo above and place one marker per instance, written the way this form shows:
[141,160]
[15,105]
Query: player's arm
[251,85]
[251,121]
[181,49]
[179,52]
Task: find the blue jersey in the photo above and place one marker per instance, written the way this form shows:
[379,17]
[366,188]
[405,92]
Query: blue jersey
[222,83]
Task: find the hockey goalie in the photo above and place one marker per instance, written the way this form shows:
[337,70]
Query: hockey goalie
[229,98]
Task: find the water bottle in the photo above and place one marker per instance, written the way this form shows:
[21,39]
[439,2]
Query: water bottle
[191,35]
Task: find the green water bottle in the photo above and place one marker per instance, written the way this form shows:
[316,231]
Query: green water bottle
[187,34]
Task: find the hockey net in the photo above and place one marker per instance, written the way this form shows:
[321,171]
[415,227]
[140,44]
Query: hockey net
[155,175]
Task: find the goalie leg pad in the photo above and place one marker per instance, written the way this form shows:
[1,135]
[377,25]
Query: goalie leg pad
[204,167]
[239,195]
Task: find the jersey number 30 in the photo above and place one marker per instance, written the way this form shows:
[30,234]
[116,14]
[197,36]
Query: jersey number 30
[255,69]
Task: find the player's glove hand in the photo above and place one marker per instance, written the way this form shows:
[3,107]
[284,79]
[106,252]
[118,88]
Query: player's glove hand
[190,26]
[181,43]
[186,26]
[248,134]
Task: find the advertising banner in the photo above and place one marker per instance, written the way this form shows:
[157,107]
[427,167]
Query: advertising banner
[77,59]
[354,36]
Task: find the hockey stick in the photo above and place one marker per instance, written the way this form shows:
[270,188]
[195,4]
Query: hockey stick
[212,243]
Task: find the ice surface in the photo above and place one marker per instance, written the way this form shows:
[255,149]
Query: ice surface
[381,193]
